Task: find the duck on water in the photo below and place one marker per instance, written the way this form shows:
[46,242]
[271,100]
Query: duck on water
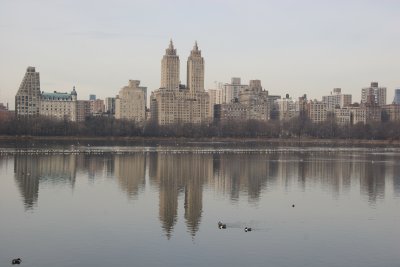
[221,225]
[16,261]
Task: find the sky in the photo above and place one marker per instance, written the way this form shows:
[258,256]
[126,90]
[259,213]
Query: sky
[296,47]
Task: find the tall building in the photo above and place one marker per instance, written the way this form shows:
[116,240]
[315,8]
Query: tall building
[170,68]
[231,90]
[174,103]
[130,104]
[396,99]
[195,70]
[379,93]
[336,99]
[27,99]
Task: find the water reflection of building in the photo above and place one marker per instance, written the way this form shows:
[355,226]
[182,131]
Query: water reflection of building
[329,170]
[30,170]
[234,173]
[130,172]
[176,173]
[396,179]
[371,172]
[95,165]
[182,177]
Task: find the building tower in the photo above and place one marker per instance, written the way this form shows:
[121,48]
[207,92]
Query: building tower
[195,70]
[170,68]
[27,99]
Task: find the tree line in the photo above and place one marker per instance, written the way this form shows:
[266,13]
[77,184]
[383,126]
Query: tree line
[298,127]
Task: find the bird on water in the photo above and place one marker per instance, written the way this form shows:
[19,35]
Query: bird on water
[16,261]
[221,225]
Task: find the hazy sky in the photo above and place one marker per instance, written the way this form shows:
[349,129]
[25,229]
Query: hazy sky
[293,47]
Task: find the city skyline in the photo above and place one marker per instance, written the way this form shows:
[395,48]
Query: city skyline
[277,43]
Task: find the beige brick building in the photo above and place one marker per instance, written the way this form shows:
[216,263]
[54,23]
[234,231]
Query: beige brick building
[130,104]
[174,103]
[170,106]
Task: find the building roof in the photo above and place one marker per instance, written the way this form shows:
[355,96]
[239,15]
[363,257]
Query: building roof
[56,96]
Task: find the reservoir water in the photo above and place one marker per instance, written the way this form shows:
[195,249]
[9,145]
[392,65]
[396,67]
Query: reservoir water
[159,206]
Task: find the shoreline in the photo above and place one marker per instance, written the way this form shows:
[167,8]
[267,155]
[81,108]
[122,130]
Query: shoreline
[203,140]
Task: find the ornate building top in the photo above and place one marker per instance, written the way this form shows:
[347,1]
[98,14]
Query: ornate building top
[170,51]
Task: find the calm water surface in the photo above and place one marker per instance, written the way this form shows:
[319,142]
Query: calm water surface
[160,207]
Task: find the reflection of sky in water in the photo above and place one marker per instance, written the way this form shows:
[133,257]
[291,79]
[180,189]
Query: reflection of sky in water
[161,208]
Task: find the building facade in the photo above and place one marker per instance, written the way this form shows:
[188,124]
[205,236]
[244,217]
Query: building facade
[251,104]
[61,106]
[317,111]
[130,103]
[378,93]
[231,90]
[176,106]
[96,107]
[286,108]
[343,116]
[83,110]
[174,103]
[392,112]
[336,99]
[27,99]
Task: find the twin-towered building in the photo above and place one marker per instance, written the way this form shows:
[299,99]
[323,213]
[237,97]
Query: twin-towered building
[175,103]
